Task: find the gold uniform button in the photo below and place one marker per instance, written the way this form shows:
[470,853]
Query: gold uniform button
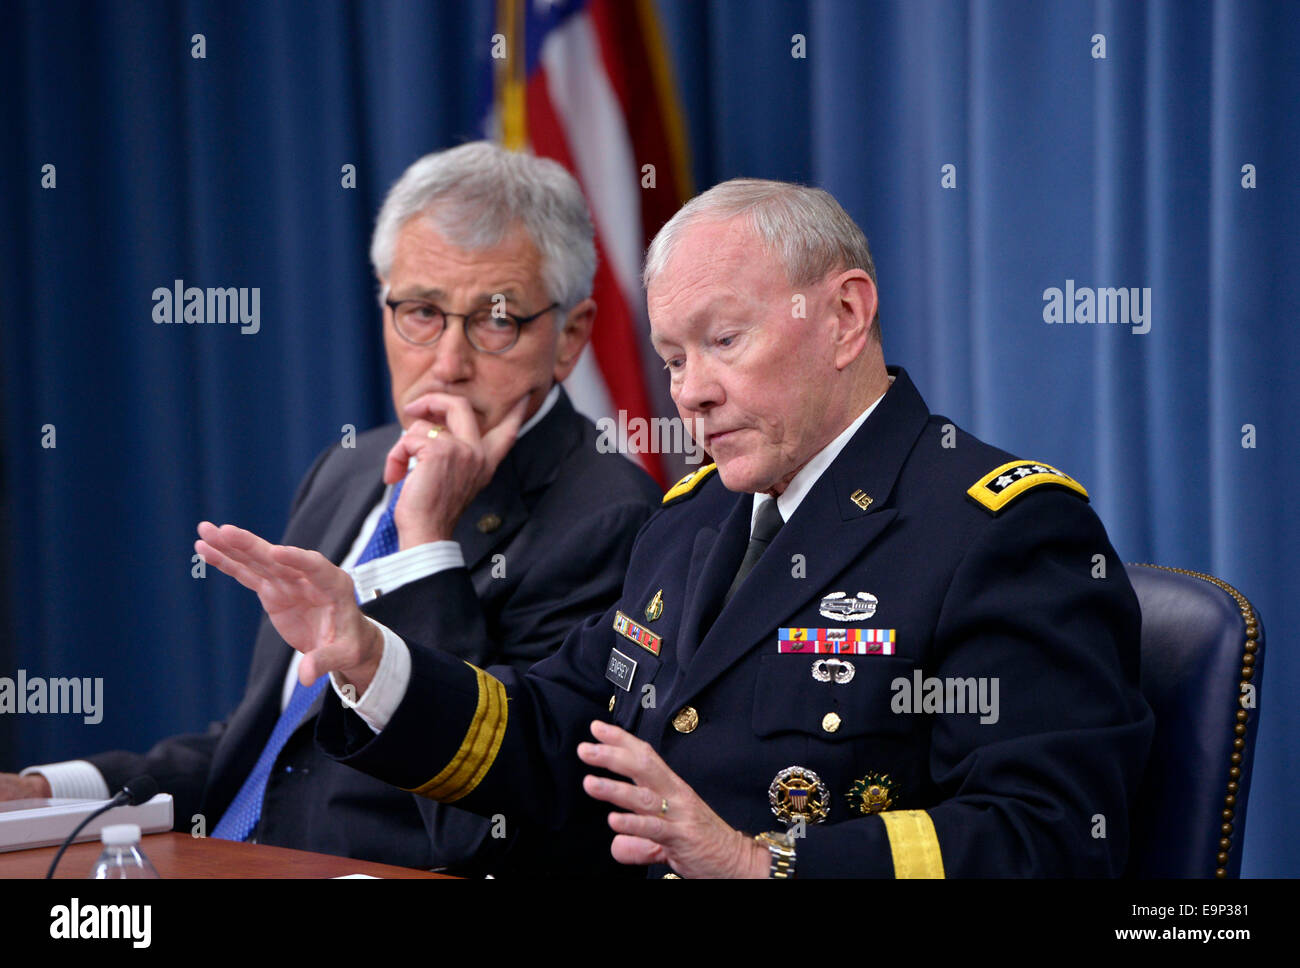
[831,722]
[489,523]
[686,720]
[611,702]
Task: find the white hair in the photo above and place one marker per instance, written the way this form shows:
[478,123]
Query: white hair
[476,192]
[804,228]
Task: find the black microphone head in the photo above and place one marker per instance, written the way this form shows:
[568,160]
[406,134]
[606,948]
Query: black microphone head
[141,790]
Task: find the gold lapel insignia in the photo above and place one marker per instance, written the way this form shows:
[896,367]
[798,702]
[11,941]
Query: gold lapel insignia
[861,498]
[656,606]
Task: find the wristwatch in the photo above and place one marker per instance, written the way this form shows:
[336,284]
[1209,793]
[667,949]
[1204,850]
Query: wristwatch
[781,847]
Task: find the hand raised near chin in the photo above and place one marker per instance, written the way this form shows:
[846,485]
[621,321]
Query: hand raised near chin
[454,464]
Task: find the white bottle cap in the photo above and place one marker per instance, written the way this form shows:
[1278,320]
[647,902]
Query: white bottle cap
[120,835]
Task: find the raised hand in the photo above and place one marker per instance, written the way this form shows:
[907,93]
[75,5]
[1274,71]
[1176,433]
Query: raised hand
[310,601]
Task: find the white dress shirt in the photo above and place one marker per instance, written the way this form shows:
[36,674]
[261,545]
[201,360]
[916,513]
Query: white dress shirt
[803,482]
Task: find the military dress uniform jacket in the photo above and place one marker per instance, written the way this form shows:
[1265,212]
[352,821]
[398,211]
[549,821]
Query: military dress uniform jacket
[545,545]
[943,560]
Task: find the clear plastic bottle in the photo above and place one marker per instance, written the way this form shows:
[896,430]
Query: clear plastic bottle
[122,857]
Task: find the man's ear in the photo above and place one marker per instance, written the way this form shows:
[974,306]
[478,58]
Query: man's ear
[854,302]
[574,333]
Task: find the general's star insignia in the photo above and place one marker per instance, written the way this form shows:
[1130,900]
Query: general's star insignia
[1002,485]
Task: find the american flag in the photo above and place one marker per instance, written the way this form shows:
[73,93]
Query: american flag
[589,84]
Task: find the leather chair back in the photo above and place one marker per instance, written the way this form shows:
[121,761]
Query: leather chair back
[1202,653]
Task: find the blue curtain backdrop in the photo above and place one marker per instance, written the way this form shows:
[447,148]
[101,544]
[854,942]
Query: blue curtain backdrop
[1125,170]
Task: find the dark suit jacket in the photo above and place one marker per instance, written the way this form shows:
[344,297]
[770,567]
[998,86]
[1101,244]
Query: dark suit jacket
[567,519]
[892,538]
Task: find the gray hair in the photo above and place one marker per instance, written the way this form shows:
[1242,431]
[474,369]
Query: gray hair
[804,228]
[475,192]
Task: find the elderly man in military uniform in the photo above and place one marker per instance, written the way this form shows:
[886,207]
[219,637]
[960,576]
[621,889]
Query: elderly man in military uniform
[860,643]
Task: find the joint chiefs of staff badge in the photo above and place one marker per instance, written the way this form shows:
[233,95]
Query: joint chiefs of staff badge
[839,606]
[798,793]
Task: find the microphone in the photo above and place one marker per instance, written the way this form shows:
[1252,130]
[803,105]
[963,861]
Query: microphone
[140,790]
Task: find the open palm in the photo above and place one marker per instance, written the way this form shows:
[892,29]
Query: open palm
[310,601]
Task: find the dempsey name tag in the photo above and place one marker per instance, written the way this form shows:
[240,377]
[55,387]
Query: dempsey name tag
[835,641]
[620,669]
[639,634]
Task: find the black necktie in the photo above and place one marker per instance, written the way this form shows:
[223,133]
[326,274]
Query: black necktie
[766,525]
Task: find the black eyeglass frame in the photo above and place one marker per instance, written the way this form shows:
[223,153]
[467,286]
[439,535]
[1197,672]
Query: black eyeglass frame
[519,321]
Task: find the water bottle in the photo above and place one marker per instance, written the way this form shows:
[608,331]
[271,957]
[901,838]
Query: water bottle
[122,857]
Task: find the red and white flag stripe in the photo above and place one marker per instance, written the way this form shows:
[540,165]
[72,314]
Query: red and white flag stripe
[578,112]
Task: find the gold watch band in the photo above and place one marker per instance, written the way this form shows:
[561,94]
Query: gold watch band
[781,847]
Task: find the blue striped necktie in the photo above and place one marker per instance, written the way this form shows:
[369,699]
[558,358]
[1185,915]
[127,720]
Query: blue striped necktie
[245,810]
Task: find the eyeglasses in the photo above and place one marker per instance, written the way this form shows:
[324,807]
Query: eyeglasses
[488,329]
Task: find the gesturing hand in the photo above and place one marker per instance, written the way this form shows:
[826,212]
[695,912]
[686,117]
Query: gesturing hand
[667,822]
[310,601]
[454,465]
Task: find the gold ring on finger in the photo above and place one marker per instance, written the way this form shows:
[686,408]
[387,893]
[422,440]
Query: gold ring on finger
[435,430]
[663,807]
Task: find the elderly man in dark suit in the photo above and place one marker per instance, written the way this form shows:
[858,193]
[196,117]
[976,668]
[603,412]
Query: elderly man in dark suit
[485,527]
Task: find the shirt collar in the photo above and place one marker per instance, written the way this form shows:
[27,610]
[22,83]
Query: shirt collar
[803,481]
[542,411]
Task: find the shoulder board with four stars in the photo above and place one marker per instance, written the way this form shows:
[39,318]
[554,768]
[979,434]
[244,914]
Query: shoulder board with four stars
[1002,485]
[687,485]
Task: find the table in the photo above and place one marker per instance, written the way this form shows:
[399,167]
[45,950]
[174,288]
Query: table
[177,855]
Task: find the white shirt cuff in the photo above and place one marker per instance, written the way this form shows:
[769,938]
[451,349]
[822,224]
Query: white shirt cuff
[378,703]
[386,574]
[74,779]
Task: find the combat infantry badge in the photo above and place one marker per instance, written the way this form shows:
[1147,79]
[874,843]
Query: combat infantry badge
[798,794]
[839,606]
[874,793]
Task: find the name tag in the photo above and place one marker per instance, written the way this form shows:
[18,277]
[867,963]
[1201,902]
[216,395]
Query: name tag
[620,669]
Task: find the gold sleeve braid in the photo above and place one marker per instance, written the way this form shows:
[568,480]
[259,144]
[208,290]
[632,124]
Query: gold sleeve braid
[913,844]
[478,750]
